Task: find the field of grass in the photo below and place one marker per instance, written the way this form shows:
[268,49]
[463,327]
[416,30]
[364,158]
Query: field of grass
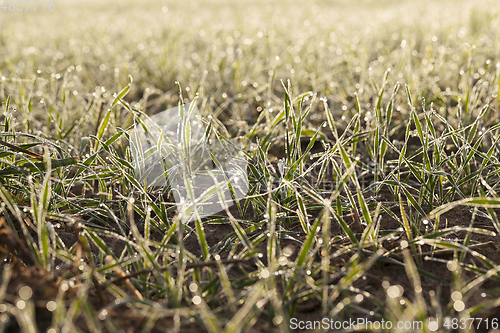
[371,134]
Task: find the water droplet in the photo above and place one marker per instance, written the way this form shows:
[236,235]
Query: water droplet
[25,292]
[51,306]
[459,306]
[456,296]
[395,291]
[21,304]
[264,274]
[103,314]
[452,265]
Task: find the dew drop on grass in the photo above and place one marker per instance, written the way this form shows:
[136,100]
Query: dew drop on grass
[103,315]
[25,292]
[21,304]
[456,296]
[452,265]
[51,306]
[283,260]
[395,291]
[193,287]
[433,324]
[459,306]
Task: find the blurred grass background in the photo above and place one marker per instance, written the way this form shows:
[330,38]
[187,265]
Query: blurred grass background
[234,54]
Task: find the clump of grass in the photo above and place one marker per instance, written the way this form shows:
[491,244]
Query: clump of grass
[310,102]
